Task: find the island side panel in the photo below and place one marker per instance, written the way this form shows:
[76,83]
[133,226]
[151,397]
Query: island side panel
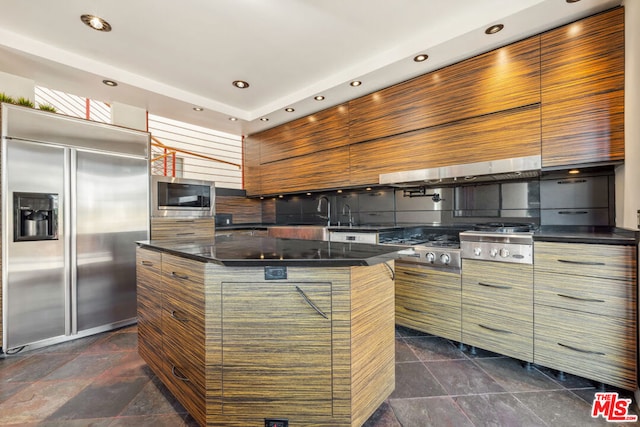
[236,414]
[372,338]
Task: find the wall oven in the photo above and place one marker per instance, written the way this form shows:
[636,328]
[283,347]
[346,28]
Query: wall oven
[181,197]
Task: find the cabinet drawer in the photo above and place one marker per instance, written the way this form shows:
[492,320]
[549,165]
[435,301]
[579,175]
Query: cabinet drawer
[182,228]
[148,269]
[185,327]
[492,329]
[432,318]
[503,286]
[576,193]
[150,346]
[582,259]
[587,294]
[428,300]
[184,279]
[186,383]
[601,348]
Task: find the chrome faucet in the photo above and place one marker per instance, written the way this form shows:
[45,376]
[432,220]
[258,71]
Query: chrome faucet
[347,209]
[328,216]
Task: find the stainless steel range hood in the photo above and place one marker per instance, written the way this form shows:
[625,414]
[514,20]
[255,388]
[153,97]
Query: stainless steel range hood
[489,171]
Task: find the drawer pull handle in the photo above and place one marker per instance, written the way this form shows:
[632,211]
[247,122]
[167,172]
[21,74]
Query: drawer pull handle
[568,261]
[185,220]
[579,350]
[185,234]
[176,373]
[581,299]
[147,263]
[179,276]
[392,273]
[178,318]
[572,181]
[414,310]
[311,304]
[572,212]
[502,331]
[489,285]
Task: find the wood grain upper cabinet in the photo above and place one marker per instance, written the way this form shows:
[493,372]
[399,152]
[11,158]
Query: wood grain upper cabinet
[583,91]
[251,166]
[500,135]
[502,79]
[309,153]
[324,130]
[328,169]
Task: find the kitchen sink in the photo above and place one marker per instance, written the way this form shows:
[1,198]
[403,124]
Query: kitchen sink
[305,232]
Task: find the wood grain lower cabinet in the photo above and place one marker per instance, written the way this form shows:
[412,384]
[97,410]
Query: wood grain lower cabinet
[497,307]
[149,294]
[429,300]
[317,348]
[187,356]
[277,349]
[182,228]
[585,306]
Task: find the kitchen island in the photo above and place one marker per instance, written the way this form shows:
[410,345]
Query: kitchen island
[246,329]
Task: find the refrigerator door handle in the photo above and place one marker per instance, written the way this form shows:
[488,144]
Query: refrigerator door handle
[69,207]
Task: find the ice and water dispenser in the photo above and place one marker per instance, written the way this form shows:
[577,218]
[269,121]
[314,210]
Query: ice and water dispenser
[35,216]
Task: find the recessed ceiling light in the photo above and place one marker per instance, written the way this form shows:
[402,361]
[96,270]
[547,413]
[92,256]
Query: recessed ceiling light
[420,58]
[289,110]
[110,83]
[318,98]
[233,119]
[240,84]
[198,108]
[264,119]
[494,29]
[96,23]
[355,83]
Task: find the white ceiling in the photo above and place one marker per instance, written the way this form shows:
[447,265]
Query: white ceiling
[169,56]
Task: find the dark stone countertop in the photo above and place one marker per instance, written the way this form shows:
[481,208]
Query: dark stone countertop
[544,233]
[586,234]
[252,251]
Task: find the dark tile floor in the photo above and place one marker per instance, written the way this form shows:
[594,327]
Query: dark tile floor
[101,381]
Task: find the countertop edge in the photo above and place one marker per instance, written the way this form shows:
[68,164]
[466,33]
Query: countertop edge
[389,255]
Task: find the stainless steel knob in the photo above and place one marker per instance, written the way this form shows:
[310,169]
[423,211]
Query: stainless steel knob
[431,257]
[445,258]
[493,252]
[504,253]
[477,251]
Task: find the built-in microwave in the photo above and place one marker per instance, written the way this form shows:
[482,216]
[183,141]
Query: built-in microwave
[181,197]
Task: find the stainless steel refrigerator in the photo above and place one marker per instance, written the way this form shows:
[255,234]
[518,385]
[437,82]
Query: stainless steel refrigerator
[75,198]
